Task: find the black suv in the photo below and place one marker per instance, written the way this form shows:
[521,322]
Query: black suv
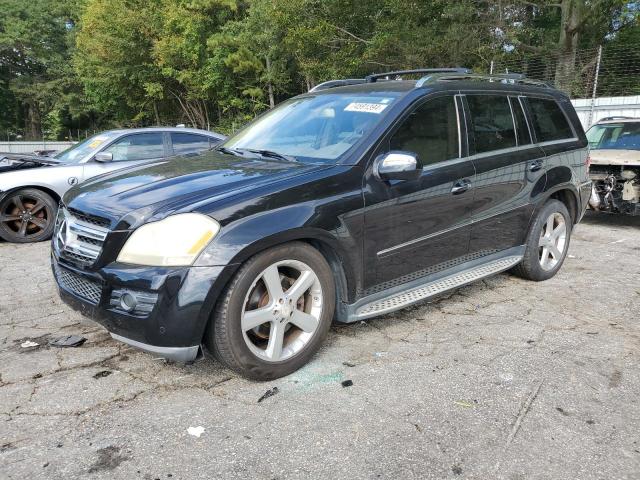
[356,199]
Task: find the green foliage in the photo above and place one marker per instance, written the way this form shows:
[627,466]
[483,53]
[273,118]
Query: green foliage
[77,64]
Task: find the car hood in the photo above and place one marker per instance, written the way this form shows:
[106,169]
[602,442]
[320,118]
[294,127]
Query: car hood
[180,184]
[20,161]
[615,157]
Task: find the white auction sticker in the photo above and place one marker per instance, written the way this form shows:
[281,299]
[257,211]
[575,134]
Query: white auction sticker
[365,107]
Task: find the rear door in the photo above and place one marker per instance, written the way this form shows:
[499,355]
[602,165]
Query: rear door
[509,168]
[184,143]
[417,227]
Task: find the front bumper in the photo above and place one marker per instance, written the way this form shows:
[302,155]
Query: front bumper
[174,304]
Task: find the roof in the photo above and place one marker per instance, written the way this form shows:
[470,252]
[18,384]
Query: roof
[166,129]
[405,86]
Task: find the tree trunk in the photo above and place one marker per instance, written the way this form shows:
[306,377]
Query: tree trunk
[272,102]
[33,122]
[155,112]
[572,18]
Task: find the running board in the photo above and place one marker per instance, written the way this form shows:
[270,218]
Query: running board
[413,294]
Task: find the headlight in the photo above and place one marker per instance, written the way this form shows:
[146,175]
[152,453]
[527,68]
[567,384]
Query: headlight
[175,241]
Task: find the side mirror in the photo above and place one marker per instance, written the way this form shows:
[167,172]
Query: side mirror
[103,157]
[397,166]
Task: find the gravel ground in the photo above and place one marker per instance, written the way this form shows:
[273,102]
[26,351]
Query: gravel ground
[501,379]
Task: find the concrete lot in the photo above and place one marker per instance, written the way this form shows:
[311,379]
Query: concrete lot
[502,379]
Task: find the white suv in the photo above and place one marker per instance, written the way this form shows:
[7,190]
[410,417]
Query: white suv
[614,144]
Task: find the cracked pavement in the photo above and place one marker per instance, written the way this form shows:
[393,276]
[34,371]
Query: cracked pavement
[500,379]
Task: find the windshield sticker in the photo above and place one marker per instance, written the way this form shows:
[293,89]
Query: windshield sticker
[365,107]
[97,142]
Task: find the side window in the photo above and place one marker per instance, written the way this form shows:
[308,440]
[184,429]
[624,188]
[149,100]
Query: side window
[492,122]
[430,131]
[549,121]
[139,146]
[522,130]
[188,143]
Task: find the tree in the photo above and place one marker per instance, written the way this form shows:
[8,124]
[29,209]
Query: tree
[34,59]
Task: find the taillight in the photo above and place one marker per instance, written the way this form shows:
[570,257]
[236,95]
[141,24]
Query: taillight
[587,161]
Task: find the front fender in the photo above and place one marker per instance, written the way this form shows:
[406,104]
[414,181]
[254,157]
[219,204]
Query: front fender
[54,179]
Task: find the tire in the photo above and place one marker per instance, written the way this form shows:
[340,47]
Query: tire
[27,215]
[533,265]
[248,312]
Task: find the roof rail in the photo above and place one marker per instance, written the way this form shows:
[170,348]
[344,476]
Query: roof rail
[514,78]
[374,78]
[616,117]
[337,83]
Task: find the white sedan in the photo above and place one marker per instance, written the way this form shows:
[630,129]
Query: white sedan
[31,186]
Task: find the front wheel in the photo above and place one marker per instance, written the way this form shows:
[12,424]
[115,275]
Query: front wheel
[27,215]
[547,243]
[275,313]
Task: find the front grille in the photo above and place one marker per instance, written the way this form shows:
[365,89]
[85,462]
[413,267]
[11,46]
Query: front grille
[91,219]
[78,285]
[79,238]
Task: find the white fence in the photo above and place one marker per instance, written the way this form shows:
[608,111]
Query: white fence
[590,111]
[30,147]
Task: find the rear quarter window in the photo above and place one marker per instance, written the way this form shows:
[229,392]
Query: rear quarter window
[549,121]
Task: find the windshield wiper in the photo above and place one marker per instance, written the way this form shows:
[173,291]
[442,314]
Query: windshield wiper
[272,154]
[229,151]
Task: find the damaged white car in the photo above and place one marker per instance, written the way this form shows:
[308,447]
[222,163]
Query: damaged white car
[31,186]
[614,145]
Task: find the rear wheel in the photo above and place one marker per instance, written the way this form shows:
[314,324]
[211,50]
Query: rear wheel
[275,313]
[27,215]
[547,243]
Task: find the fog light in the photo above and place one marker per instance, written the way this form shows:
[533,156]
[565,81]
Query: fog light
[128,302]
[135,302]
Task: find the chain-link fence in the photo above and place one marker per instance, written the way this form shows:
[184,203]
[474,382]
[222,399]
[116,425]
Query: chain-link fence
[596,72]
[602,81]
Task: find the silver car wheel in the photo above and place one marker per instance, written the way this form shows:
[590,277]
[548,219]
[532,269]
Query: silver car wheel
[282,310]
[553,241]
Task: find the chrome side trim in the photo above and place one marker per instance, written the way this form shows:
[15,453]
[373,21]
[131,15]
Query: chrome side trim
[471,221]
[177,354]
[408,243]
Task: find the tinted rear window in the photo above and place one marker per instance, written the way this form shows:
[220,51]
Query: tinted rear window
[549,121]
[189,143]
[493,127]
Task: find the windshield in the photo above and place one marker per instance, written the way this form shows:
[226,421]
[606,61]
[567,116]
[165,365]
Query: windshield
[81,149]
[616,136]
[316,129]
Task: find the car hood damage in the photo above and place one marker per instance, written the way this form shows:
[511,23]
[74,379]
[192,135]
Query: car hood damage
[137,194]
[615,157]
[19,161]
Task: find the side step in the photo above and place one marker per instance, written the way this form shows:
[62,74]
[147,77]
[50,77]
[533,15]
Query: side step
[408,297]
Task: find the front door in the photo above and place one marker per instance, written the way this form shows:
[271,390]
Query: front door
[417,227]
[129,150]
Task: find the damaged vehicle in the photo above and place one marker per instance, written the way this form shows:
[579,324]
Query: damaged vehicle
[614,145]
[356,199]
[32,185]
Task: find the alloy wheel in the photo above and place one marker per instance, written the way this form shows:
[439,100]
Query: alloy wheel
[553,241]
[25,215]
[282,310]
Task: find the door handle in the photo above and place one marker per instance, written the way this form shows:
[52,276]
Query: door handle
[460,186]
[535,166]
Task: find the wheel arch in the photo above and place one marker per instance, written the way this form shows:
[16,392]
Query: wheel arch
[49,191]
[346,277]
[570,200]
[319,239]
